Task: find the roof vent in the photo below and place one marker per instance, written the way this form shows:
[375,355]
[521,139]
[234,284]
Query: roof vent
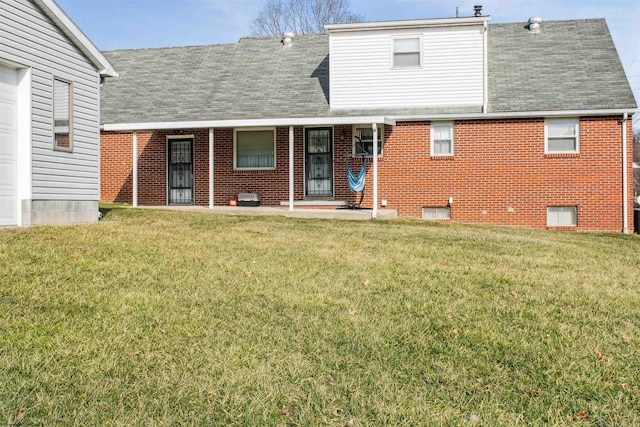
[477,10]
[534,24]
[287,39]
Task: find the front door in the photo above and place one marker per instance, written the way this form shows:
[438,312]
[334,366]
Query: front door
[180,171]
[319,162]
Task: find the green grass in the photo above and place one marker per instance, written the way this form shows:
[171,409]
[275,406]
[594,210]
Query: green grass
[170,318]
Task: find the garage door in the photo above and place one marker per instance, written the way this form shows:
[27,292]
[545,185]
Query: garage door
[8,148]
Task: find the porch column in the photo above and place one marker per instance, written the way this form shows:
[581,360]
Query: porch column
[291,174]
[374,212]
[211,170]
[134,179]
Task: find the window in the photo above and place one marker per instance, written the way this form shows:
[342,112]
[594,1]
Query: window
[562,216]
[440,212]
[407,52]
[363,140]
[255,149]
[562,136]
[62,115]
[442,139]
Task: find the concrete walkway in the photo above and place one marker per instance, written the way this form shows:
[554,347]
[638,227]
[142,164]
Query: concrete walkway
[346,214]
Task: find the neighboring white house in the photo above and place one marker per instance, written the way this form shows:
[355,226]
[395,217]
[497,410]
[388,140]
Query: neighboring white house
[50,77]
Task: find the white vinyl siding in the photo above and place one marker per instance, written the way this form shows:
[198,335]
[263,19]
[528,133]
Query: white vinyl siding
[562,216]
[363,140]
[407,51]
[562,136]
[254,149]
[30,38]
[442,139]
[362,73]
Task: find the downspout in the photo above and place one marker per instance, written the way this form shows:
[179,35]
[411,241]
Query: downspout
[211,170]
[625,170]
[485,69]
[374,212]
[135,170]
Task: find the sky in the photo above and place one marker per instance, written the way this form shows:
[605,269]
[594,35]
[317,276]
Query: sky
[133,24]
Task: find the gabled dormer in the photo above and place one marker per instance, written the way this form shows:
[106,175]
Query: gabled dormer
[430,63]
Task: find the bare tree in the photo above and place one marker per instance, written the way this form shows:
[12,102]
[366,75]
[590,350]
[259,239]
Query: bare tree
[300,16]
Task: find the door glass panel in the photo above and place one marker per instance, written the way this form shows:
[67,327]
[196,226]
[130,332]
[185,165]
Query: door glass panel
[319,163]
[181,172]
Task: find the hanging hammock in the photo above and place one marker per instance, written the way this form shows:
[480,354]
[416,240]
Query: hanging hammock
[356,182]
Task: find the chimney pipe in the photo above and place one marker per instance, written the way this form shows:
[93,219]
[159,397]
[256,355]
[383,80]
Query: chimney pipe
[287,39]
[534,24]
[477,9]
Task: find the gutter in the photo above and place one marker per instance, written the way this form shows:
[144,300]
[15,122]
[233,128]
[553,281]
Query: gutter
[625,201]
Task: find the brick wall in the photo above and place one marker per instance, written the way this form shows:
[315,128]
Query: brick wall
[498,175]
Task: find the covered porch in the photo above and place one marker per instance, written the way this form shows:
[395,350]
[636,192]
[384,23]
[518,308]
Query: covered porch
[303,174]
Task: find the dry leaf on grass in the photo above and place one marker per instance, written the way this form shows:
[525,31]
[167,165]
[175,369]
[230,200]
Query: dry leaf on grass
[582,415]
[20,416]
[352,312]
[284,411]
[135,353]
[535,392]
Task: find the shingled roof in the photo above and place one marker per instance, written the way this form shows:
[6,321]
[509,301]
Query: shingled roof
[570,65]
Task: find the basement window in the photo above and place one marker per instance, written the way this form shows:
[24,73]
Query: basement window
[407,52]
[562,216]
[436,213]
[562,136]
[254,149]
[62,115]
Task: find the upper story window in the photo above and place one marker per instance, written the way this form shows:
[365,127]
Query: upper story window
[363,140]
[254,149]
[442,139]
[407,52]
[562,136]
[62,115]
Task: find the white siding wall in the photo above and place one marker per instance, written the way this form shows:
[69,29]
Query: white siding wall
[30,39]
[361,73]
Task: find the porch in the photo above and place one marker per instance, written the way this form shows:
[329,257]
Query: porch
[341,214]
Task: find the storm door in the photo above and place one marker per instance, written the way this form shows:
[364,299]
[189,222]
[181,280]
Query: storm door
[319,162]
[180,171]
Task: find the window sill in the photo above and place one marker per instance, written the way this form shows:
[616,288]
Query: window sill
[562,228]
[447,157]
[561,155]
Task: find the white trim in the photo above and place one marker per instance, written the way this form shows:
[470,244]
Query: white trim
[291,168]
[485,69]
[390,120]
[374,212]
[212,194]
[416,23]
[82,42]
[453,149]
[167,151]
[392,52]
[24,139]
[278,122]
[134,189]
[250,129]
[315,203]
[575,121]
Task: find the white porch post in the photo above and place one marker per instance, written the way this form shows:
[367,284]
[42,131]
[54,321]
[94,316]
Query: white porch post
[135,170]
[211,169]
[374,213]
[291,175]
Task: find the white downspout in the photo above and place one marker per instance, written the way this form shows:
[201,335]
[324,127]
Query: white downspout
[485,69]
[291,175]
[625,170]
[211,169]
[135,170]
[374,213]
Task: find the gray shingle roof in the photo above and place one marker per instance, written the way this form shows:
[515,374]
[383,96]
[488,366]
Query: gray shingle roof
[569,65]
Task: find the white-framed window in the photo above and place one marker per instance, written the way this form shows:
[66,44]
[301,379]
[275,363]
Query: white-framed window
[363,140]
[62,115]
[406,51]
[562,216]
[442,139]
[254,149]
[562,136]
[436,213]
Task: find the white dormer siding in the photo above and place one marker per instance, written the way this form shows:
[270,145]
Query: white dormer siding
[450,73]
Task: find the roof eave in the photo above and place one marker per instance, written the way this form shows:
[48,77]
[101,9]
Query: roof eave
[82,42]
[417,23]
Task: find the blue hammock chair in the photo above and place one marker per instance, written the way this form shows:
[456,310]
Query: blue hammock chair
[356,182]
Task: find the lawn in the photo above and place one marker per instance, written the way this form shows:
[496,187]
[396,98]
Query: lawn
[171,318]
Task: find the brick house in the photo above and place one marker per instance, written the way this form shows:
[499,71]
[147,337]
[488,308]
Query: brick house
[522,124]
